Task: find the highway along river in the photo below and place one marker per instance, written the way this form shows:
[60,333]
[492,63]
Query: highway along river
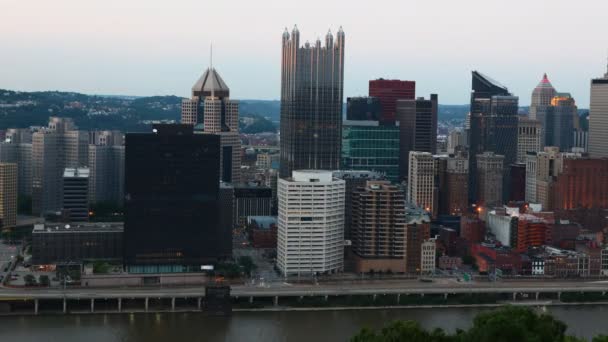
[583,321]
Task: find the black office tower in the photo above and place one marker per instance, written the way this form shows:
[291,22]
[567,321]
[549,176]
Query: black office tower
[492,125]
[172,201]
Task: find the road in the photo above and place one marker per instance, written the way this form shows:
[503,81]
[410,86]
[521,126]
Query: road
[384,287]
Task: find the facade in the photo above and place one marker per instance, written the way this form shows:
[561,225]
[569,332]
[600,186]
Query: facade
[428,258]
[312,86]
[367,145]
[532,231]
[492,125]
[107,173]
[558,121]
[8,195]
[598,118]
[529,134]
[54,148]
[211,107]
[311,223]
[503,226]
[582,183]
[418,230]
[456,138]
[541,97]
[472,229]
[549,166]
[363,109]
[421,180]
[353,180]
[489,179]
[531,166]
[263,231]
[417,128]
[54,243]
[20,153]
[388,92]
[251,201]
[76,194]
[172,211]
[517,182]
[378,228]
[454,198]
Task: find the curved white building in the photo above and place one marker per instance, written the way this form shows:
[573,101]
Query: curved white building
[311,223]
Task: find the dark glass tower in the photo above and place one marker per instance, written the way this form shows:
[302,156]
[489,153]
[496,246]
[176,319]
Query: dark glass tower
[172,201]
[312,79]
[492,124]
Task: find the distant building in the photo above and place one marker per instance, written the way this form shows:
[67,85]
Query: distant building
[531,166]
[54,148]
[366,145]
[389,92]
[541,97]
[558,122]
[529,135]
[211,107]
[311,103]
[455,195]
[363,109]
[418,230]
[172,221]
[8,195]
[54,243]
[428,256]
[449,263]
[489,179]
[421,180]
[472,229]
[532,231]
[263,231]
[456,138]
[311,201]
[107,173]
[14,150]
[598,118]
[518,182]
[417,127]
[251,201]
[76,194]
[378,228]
[583,183]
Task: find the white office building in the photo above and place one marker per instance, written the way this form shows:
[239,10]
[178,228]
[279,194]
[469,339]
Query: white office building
[311,223]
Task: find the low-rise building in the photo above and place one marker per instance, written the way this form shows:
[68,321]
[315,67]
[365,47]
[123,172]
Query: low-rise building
[263,230]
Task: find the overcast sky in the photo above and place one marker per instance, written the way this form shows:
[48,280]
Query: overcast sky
[154,47]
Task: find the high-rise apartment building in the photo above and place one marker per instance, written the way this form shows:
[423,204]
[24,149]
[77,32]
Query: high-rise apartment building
[54,148]
[311,223]
[388,92]
[378,228]
[76,194]
[529,134]
[367,145]
[172,207]
[312,86]
[417,127]
[492,124]
[598,118]
[489,179]
[541,97]
[211,111]
[421,180]
[8,195]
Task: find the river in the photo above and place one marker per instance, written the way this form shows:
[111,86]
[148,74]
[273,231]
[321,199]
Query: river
[305,326]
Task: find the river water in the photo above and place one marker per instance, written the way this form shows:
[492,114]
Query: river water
[316,326]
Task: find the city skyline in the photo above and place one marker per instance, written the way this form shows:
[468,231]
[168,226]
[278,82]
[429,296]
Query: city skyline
[139,48]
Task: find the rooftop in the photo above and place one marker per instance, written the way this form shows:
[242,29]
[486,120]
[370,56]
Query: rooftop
[79,227]
[210,84]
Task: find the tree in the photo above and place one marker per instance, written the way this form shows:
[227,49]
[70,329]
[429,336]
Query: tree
[44,280]
[502,325]
[100,267]
[246,262]
[30,280]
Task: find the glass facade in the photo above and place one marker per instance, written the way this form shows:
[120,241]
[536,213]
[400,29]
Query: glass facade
[372,148]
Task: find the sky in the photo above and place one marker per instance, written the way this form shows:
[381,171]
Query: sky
[154,47]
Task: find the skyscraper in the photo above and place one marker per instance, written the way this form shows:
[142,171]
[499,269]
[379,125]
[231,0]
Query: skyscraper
[598,118]
[417,127]
[312,83]
[363,108]
[490,179]
[421,180]
[481,131]
[378,227]
[529,134]
[388,92]
[311,223]
[454,199]
[54,148]
[541,97]
[8,195]
[172,209]
[558,122]
[212,111]
[106,167]
[76,193]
